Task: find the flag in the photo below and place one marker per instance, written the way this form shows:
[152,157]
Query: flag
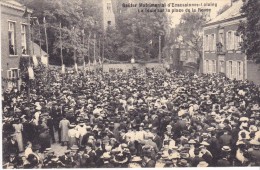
[44,21]
[44,60]
[31,73]
[99,61]
[37,22]
[63,69]
[26,13]
[150,42]
[94,62]
[35,61]
[132,60]
[84,65]
[76,67]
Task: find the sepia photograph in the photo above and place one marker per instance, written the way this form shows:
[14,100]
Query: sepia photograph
[130,83]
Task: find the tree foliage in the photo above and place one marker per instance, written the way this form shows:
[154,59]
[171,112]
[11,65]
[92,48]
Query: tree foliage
[190,31]
[78,18]
[135,34]
[250,29]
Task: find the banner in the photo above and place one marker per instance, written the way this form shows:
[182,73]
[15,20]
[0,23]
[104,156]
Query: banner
[63,69]
[31,72]
[132,60]
[44,60]
[94,62]
[84,65]
[76,67]
[35,61]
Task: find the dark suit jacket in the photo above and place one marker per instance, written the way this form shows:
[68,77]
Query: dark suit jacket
[225,140]
[150,164]
[107,165]
[223,163]
[195,161]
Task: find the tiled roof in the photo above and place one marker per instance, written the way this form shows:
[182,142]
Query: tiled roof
[14,4]
[232,12]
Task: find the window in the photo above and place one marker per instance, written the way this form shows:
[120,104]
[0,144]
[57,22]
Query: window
[11,38]
[214,66]
[213,42]
[232,69]
[221,66]
[221,38]
[207,66]
[229,69]
[230,40]
[206,43]
[13,73]
[240,71]
[24,40]
[210,43]
[109,7]
[238,41]
[109,23]
[187,54]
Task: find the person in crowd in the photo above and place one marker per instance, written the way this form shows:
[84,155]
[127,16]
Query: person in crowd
[64,128]
[132,119]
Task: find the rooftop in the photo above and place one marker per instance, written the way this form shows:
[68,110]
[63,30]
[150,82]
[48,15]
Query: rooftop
[14,4]
[232,12]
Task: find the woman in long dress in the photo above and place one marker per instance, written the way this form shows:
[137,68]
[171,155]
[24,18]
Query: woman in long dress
[64,127]
[18,126]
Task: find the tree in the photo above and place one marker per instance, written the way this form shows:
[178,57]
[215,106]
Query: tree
[76,17]
[139,30]
[250,30]
[190,31]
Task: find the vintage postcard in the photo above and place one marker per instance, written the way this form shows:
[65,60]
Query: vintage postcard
[130,83]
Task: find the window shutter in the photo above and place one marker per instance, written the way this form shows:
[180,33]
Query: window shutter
[214,42]
[232,40]
[204,67]
[215,66]
[227,69]
[210,66]
[227,44]
[204,43]
[242,70]
[9,74]
[234,70]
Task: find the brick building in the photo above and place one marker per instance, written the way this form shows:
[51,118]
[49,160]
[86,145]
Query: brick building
[221,49]
[14,41]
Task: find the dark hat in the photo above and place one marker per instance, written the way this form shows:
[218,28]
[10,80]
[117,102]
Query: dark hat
[120,158]
[36,147]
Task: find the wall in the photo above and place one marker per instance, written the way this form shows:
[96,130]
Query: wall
[126,67]
[253,72]
[7,61]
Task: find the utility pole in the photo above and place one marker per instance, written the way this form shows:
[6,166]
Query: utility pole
[159,56]
[94,62]
[103,53]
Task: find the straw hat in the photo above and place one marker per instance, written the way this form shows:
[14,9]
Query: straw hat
[203,164]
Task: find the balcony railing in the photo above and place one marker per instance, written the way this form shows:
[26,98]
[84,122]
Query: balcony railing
[220,50]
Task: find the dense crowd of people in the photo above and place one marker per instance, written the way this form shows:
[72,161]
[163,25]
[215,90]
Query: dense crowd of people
[132,119]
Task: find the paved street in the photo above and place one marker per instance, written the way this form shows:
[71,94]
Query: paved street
[57,148]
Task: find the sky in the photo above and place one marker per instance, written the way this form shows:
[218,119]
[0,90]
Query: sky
[215,5]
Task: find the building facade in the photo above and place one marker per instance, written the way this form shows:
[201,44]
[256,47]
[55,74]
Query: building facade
[14,41]
[108,14]
[221,49]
